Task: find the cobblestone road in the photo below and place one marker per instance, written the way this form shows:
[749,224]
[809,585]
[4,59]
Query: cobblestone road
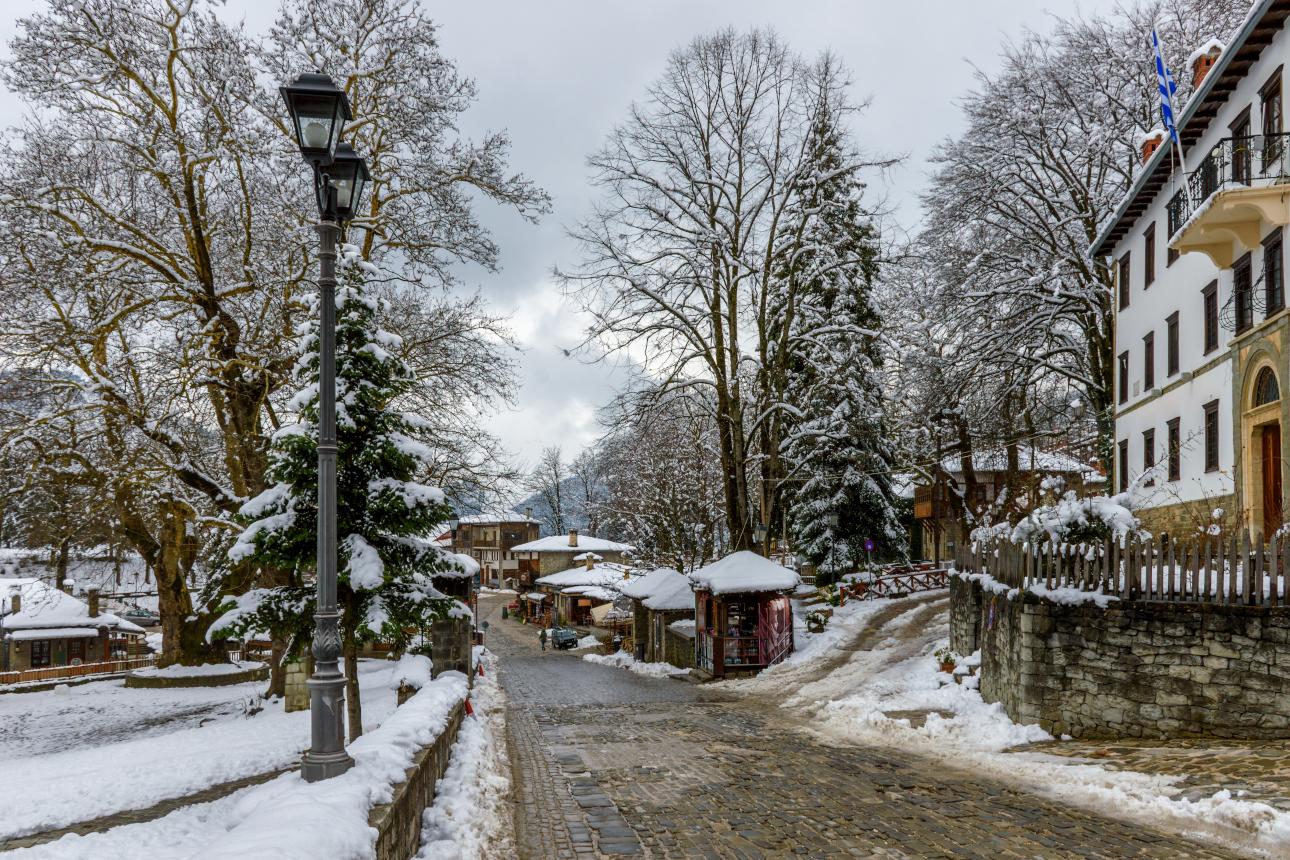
[609,764]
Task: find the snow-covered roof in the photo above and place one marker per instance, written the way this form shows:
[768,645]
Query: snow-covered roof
[1030,459]
[663,590]
[595,592]
[745,572]
[536,596]
[494,519]
[560,543]
[46,608]
[607,574]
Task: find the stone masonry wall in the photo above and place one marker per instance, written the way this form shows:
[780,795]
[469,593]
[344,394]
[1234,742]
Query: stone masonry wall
[965,615]
[1186,519]
[398,823]
[1135,669]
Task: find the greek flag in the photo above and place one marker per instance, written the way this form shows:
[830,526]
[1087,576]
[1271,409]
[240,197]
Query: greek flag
[1165,82]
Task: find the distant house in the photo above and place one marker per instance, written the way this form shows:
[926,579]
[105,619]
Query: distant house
[742,613]
[42,627]
[938,505]
[490,540]
[572,595]
[556,553]
[660,599]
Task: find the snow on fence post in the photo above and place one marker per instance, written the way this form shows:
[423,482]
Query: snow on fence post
[1275,573]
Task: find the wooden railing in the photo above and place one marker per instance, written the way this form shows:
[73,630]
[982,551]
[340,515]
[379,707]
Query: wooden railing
[908,582]
[1208,570]
[60,673]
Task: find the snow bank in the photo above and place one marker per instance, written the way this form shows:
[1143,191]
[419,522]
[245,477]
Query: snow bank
[956,715]
[470,817]
[623,660]
[290,818]
[141,746]
[413,670]
[587,642]
[205,670]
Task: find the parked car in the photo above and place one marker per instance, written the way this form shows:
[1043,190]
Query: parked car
[563,638]
[142,617]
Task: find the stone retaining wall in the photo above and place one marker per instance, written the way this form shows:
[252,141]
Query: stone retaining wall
[1134,669]
[398,823]
[965,615]
[260,673]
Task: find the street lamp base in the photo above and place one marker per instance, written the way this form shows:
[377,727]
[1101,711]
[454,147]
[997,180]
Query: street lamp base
[315,767]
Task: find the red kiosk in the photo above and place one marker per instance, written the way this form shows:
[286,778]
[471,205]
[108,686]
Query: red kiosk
[742,614]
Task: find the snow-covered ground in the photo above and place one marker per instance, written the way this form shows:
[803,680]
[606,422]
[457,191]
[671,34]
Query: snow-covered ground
[871,678]
[470,818]
[99,748]
[623,660]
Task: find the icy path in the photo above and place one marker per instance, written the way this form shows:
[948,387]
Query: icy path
[129,749]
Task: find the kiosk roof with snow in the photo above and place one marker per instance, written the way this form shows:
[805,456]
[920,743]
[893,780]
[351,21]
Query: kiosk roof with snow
[663,590]
[745,572]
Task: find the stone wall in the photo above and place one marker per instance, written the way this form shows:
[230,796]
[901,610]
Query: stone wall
[1187,519]
[1134,669]
[398,823]
[965,615]
[678,649]
[297,691]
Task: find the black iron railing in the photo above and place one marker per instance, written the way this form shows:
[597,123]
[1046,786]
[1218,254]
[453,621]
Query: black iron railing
[1255,160]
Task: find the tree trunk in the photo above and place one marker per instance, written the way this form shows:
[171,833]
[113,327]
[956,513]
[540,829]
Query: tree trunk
[353,704]
[64,549]
[183,636]
[277,668]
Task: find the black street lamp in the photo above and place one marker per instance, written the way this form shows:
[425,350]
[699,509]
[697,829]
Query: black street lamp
[319,110]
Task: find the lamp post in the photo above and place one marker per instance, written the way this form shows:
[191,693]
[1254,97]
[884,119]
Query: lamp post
[318,111]
[759,537]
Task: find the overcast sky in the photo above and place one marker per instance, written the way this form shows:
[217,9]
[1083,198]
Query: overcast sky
[558,74]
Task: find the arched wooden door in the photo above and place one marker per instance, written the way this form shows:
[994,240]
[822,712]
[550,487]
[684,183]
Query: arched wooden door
[1272,513]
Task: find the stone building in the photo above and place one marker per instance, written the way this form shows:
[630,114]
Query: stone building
[569,596]
[490,540]
[548,555]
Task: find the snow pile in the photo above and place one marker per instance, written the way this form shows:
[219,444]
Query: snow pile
[587,642]
[470,818]
[745,572]
[623,660]
[413,670]
[290,818]
[206,670]
[956,715]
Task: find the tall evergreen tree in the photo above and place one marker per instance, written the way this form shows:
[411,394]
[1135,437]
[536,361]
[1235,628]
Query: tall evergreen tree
[383,514]
[834,443]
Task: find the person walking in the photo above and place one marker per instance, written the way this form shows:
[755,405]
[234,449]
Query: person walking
[542,638]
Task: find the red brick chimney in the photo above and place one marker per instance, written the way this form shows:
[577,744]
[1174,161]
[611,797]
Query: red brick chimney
[1202,61]
[1151,142]
[573,537]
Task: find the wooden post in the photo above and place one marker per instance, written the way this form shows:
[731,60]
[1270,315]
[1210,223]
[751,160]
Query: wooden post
[1253,582]
[1274,574]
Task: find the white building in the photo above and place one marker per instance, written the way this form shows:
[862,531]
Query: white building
[1201,324]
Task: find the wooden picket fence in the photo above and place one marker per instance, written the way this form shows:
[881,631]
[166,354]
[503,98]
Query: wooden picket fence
[62,673]
[1208,570]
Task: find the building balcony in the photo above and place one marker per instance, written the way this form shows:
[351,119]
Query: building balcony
[1236,195]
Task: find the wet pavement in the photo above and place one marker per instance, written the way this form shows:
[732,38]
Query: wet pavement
[607,763]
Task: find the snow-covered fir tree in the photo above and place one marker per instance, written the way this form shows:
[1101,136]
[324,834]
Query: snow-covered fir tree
[834,444]
[384,516]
